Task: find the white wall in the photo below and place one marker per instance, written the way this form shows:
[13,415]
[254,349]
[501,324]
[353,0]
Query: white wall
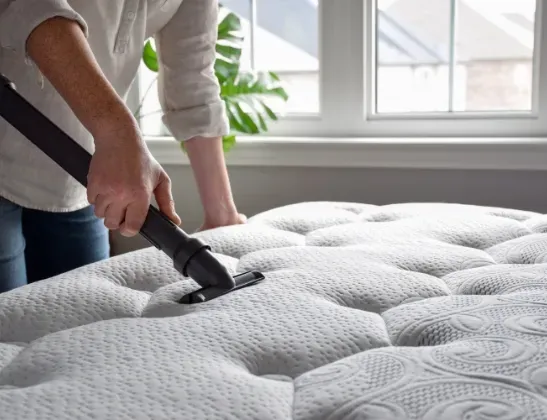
[259,189]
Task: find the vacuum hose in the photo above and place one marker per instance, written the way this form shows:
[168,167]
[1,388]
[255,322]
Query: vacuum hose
[190,256]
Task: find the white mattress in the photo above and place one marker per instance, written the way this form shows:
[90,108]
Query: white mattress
[409,311]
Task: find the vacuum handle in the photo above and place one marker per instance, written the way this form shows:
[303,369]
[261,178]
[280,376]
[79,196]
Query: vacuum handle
[76,160]
[43,133]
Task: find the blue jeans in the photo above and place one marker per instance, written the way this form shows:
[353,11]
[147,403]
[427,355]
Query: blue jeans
[35,245]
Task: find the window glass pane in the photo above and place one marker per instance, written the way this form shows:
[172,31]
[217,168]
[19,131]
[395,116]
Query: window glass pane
[285,38]
[495,49]
[492,55]
[412,49]
[286,42]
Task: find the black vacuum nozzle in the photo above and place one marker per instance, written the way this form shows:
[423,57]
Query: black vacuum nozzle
[190,256]
[207,293]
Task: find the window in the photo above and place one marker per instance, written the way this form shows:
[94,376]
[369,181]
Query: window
[454,56]
[398,68]
[282,36]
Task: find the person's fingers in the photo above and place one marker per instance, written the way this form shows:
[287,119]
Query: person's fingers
[165,201]
[92,194]
[101,203]
[135,214]
[114,215]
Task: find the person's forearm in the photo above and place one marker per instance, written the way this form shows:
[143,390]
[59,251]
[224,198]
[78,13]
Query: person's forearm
[60,50]
[207,159]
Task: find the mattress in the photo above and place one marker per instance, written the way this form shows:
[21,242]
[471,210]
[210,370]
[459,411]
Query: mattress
[430,311]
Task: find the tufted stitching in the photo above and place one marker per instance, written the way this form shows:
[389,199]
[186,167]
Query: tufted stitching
[352,291]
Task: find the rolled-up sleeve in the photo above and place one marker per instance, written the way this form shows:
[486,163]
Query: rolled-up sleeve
[21,17]
[188,89]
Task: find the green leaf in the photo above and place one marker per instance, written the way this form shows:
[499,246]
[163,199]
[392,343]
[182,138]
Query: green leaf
[227,62]
[228,48]
[225,70]
[250,83]
[269,111]
[230,28]
[228,142]
[261,122]
[149,57]
[247,120]
[246,97]
[229,52]
[236,123]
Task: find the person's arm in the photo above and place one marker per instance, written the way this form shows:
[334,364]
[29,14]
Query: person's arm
[60,49]
[123,175]
[207,159]
[54,37]
[190,98]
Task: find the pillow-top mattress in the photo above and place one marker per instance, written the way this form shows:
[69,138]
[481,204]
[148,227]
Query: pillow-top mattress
[407,311]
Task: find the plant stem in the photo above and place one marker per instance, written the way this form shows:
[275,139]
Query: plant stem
[143,98]
[148,114]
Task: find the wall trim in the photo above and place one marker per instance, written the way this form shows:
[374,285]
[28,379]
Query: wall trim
[418,153]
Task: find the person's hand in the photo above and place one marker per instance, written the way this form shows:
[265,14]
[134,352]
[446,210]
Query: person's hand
[122,179]
[207,159]
[220,220]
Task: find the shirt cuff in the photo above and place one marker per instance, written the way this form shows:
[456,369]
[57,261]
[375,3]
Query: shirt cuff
[22,16]
[204,121]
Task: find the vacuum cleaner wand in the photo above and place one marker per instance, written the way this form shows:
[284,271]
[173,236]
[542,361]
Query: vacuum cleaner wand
[190,256]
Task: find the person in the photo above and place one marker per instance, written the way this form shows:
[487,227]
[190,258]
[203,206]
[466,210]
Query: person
[75,61]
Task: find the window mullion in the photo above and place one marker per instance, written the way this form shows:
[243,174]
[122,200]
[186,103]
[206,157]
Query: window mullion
[342,61]
[452,59]
[540,70]
[252,22]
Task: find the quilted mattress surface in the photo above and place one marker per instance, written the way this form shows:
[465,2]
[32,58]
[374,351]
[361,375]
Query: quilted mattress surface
[408,311]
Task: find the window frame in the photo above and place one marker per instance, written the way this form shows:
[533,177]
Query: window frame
[347,91]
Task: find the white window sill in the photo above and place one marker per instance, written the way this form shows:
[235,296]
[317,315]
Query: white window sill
[419,153]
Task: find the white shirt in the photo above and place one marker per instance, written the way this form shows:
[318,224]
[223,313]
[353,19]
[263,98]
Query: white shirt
[185,33]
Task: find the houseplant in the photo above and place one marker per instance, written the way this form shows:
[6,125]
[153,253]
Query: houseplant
[246,93]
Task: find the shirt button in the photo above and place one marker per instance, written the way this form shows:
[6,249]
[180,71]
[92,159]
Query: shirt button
[131,15]
[122,44]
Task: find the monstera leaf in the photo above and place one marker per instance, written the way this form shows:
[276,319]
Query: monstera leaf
[248,95]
